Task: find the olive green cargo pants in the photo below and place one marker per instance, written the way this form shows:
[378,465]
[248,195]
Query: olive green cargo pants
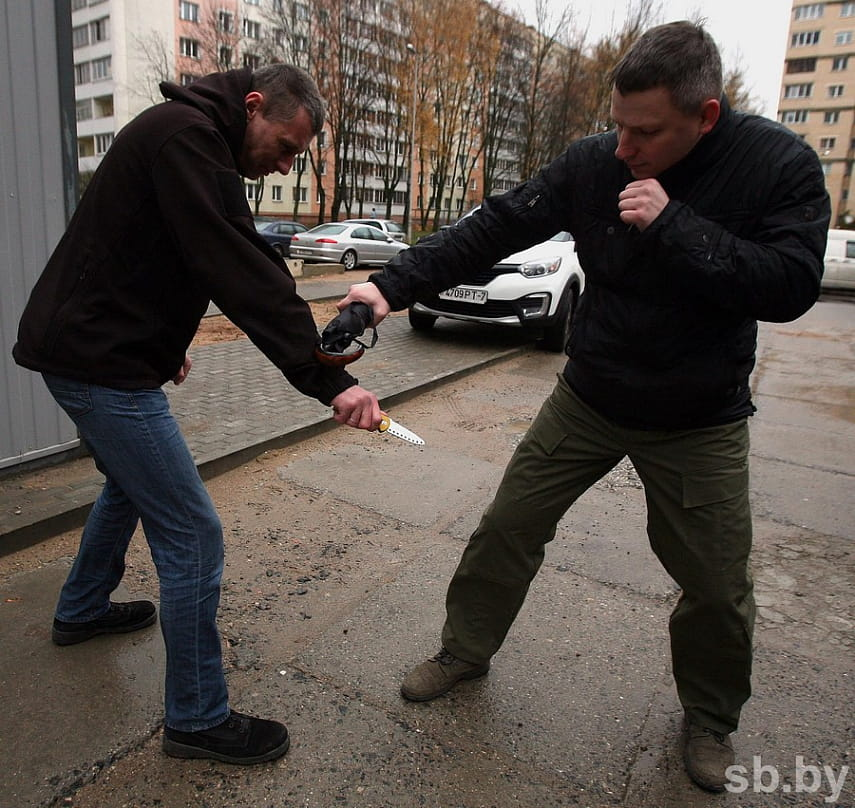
[698,523]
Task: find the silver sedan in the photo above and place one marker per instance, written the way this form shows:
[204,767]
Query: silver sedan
[351,245]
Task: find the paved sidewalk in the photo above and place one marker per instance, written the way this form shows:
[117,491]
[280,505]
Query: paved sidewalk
[320,623]
[236,404]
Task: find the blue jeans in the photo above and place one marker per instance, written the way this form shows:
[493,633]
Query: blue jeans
[150,476]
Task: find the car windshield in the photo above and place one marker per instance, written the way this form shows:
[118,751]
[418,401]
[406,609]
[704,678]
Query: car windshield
[329,229]
[394,227]
[562,236]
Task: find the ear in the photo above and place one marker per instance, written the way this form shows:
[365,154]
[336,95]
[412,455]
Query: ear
[254,101]
[710,112]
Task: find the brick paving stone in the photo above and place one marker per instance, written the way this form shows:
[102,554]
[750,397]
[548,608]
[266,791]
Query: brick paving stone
[236,404]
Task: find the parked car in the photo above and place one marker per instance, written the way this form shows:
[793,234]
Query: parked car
[839,261]
[278,233]
[349,244]
[389,227]
[536,289]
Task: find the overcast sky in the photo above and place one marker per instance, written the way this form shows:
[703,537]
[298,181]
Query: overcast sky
[751,34]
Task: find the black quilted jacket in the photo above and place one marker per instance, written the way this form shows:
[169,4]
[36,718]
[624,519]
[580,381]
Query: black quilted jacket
[665,332]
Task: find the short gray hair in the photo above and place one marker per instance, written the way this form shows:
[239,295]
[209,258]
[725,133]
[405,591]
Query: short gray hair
[679,56]
[286,88]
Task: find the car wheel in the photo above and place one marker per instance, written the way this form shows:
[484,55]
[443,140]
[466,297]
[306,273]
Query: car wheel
[421,322]
[349,259]
[556,335]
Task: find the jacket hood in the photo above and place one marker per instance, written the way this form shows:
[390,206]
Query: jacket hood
[220,96]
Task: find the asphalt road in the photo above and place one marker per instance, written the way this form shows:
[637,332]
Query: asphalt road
[339,549]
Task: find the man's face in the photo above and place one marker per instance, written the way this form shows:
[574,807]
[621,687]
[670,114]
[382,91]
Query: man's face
[271,145]
[653,134]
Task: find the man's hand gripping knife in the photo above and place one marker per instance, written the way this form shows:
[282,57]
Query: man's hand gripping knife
[340,345]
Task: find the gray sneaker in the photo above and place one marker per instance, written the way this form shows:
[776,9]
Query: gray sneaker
[707,755]
[438,675]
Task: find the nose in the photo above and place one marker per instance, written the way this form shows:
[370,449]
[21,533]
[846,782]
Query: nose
[284,164]
[625,147]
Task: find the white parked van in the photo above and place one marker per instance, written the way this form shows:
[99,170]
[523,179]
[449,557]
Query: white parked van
[839,260]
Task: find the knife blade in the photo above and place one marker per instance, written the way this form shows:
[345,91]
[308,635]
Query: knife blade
[394,428]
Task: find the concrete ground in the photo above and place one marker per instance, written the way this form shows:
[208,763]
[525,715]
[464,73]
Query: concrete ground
[339,548]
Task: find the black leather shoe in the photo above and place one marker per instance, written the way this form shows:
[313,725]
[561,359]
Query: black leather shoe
[240,739]
[121,618]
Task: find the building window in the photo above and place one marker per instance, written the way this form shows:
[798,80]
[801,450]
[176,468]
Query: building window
[103,106]
[187,78]
[810,12]
[794,116]
[84,109]
[827,143]
[831,117]
[189,47]
[835,91]
[79,36]
[847,10]
[300,194]
[842,37]
[102,142]
[801,65]
[188,11]
[76,5]
[82,73]
[301,43]
[251,60]
[225,56]
[276,193]
[253,191]
[840,63]
[102,68]
[798,90]
[251,29]
[99,30]
[301,11]
[251,2]
[804,38]
[300,163]
[226,22]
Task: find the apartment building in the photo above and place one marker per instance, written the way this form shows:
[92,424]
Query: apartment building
[123,49]
[818,93]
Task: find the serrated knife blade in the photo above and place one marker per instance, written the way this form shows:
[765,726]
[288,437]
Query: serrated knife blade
[394,428]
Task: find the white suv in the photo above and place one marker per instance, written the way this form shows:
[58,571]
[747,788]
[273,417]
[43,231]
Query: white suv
[537,288]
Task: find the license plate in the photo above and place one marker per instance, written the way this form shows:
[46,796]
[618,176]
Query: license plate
[464,294]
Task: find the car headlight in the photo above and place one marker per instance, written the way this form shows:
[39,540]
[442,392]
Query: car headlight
[543,266]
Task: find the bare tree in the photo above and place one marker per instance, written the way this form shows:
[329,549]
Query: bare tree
[158,55]
[537,101]
[738,94]
[501,38]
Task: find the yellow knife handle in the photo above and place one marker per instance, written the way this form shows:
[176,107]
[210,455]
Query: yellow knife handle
[384,422]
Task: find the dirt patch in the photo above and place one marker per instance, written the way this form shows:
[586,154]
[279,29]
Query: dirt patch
[218,328]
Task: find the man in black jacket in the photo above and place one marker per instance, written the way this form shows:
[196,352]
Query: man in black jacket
[691,222]
[163,228]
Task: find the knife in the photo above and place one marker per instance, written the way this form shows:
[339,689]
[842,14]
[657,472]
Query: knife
[394,428]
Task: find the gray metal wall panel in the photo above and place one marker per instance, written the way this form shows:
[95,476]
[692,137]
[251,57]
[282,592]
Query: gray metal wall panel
[37,181]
